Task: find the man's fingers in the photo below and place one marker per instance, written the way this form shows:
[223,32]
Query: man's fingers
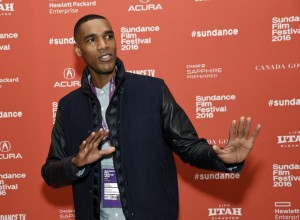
[90,137]
[99,136]
[241,129]
[255,132]
[248,127]
[107,151]
[93,140]
[217,149]
[232,131]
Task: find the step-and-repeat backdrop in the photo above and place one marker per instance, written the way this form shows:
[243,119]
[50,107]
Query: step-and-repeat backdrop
[220,58]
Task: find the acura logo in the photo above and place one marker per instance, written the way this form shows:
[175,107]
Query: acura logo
[5,146]
[69,73]
[144,1]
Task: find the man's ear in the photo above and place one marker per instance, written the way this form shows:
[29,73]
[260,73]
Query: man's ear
[77,50]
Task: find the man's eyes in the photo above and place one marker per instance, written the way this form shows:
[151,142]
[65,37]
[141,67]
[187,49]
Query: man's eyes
[91,40]
[109,36]
[95,39]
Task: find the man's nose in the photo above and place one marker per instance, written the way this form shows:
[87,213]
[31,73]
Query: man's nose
[102,44]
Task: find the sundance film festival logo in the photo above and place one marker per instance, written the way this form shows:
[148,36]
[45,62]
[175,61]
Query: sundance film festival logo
[133,37]
[284,28]
[285,175]
[69,74]
[54,110]
[7,36]
[224,211]
[208,106]
[6,8]
[290,140]
[6,185]
[13,114]
[5,152]
[144,5]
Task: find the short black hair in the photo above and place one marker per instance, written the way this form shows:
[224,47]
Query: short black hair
[85,19]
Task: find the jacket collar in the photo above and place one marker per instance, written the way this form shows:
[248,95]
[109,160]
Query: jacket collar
[120,77]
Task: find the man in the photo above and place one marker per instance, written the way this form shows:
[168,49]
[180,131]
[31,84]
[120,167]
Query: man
[114,137]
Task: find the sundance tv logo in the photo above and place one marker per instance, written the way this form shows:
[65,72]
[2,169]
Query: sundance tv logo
[69,74]
[5,152]
[144,5]
[6,8]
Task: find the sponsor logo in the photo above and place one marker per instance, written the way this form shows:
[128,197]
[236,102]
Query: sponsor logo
[8,80]
[7,46]
[145,72]
[4,187]
[66,214]
[9,36]
[54,110]
[5,146]
[63,8]
[284,210]
[277,66]
[14,114]
[206,106]
[290,140]
[133,37]
[284,102]
[13,217]
[217,142]
[5,152]
[6,8]
[284,28]
[202,71]
[61,41]
[217,176]
[224,211]
[214,33]
[145,5]
[285,175]
[69,74]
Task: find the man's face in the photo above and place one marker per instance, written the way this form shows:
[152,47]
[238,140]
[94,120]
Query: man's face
[96,44]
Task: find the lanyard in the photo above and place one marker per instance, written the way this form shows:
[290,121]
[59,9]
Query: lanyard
[112,88]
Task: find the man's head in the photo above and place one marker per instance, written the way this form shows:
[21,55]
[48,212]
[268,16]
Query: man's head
[96,44]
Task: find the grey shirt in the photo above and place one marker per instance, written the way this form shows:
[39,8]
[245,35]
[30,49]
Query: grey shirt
[107,162]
